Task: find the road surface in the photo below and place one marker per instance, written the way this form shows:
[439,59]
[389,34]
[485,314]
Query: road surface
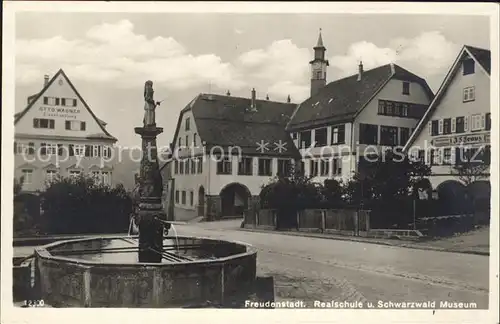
[322,269]
[310,269]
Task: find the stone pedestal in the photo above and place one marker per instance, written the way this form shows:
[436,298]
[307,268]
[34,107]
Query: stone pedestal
[151,211]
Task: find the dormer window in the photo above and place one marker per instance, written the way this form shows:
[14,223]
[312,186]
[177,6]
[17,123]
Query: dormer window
[406,88]
[468,66]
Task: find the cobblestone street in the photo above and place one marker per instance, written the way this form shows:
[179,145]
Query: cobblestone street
[318,269]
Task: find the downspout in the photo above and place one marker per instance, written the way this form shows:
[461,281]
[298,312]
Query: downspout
[209,167]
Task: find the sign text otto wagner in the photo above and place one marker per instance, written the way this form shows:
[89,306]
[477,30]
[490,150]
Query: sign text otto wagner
[59,112]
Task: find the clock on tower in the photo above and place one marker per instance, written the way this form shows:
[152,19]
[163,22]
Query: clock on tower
[318,67]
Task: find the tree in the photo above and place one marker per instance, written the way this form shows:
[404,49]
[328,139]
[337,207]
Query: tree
[288,194]
[80,205]
[18,186]
[332,192]
[471,165]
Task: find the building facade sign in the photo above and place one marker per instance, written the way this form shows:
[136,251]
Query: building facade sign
[483,138]
[59,112]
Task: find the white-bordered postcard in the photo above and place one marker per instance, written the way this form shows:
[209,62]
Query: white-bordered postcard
[270,162]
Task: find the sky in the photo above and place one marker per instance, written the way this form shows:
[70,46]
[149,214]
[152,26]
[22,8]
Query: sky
[109,56]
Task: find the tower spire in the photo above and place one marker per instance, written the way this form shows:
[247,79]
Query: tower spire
[319,44]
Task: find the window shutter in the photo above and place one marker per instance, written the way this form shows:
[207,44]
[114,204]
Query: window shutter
[71,151]
[52,123]
[429,126]
[63,101]
[87,150]
[59,149]
[466,123]
[82,125]
[440,127]
[74,102]
[453,125]
[57,101]
[68,124]
[43,149]
[483,121]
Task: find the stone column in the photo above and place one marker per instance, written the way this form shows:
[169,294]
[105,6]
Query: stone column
[150,205]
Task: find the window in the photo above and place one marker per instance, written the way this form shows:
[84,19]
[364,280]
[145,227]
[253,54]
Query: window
[200,165]
[397,108]
[193,166]
[27,176]
[181,167]
[224,166]
[313,168]
[43,123]
[406,88]
[338,134]
[318,75]
[368,134]
[106,152]
[381,107]
[325,167]
[68,102]
[51,101]
[305,139]
[194,140]
[468,66]
[404,135]
[183,201]
[187,140]
[96,175]
[75,125]
[388,135]
[265,167]
[447,126]
[177,196]
[320,137]
[476,122]
[25,149]
[176,167]
[435,127]
[74,173]
[191,198]
[78,149]
[186,166]
[95,151]
[487,125]
[388,108]
[245,166]
[421,155]
[284,167]
[336,166]
[447,156]
[436,156]
[187,125]
[48,149]
[404,110]
[50,175]
[180,142]
[459,125]
[469,94]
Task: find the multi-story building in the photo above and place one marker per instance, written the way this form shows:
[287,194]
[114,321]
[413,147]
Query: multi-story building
[456,127]
[347,119]
[225,149]
[58,134]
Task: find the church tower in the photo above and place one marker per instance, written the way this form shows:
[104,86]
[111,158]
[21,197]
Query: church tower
[318,67]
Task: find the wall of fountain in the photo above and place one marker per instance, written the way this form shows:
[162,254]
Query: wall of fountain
[216,271]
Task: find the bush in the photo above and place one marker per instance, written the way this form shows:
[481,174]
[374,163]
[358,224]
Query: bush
[79,205]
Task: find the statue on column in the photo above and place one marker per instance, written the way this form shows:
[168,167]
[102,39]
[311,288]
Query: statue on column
[149,105]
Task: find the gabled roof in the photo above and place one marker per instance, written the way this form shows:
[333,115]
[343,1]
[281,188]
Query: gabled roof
[343,99]
[480,56]
[228,121]
[20,115]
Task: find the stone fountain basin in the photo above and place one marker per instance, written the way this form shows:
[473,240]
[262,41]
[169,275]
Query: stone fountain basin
[68,281]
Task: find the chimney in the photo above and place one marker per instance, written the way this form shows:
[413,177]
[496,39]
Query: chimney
[288,99]
[252,105]
[360,70]
[228,93]
[45,80]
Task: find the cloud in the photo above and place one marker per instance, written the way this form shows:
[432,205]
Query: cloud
[115,53]
[428,54]
[281,68]
[238,31]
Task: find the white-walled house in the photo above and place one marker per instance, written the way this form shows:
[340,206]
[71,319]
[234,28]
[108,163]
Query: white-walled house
[218,165]
[58,134]
[457,125]
[378,108]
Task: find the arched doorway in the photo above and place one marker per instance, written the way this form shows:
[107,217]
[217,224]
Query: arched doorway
[234,200]
[201,201]
[453,198]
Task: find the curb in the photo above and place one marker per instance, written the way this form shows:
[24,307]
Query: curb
[354,239]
